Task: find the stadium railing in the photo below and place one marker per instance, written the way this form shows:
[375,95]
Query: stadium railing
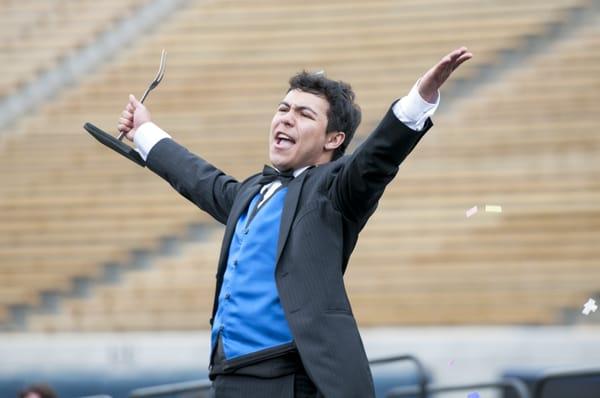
[569,375]
[191,389]
[201,389]
[519,387]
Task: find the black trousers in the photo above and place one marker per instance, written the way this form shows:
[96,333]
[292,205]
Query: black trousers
[248,383]
[290,386]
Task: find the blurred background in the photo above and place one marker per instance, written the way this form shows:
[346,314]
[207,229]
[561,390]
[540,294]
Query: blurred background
[107,275]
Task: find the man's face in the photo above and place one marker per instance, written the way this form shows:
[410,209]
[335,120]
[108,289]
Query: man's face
[297,136]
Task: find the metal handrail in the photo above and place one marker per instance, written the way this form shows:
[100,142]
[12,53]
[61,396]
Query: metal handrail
[173,388]
[97,396]
[421,389]
[422,377]
[561,374]
[517,385]
[204,385]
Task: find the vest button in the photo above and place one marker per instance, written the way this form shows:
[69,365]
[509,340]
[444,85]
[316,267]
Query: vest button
[235,263]
[246,231]
[227,296]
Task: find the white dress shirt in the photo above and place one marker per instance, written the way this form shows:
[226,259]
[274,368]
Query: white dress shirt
[412,110]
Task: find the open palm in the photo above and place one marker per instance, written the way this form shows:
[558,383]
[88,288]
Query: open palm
[435,77]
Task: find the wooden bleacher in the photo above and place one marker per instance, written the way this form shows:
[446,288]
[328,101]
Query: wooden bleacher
[71,206]
[36,35]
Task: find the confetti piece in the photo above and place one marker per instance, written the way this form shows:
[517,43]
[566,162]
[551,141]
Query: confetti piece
[589,306]
[473,395]
[320,72]
[471,211]
[451,362]
[493,209]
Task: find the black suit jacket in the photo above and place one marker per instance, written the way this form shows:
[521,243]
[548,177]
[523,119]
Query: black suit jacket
[325,209]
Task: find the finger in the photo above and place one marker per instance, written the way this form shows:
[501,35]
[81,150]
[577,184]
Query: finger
[126,114]
[134,101]
[449,59]
[456,54]
[461,50]
[461,60]
[130,108]
[123,129]
[444,63]
[126,122]
[465,56]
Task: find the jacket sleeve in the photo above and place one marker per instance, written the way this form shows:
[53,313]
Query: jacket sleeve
[197,180]
[359,184]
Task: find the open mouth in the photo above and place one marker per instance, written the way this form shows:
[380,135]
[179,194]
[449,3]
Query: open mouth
[283,140]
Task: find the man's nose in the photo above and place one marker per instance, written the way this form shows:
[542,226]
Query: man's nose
[288,119]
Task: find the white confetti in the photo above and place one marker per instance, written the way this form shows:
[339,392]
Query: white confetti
[471,211]
[588,307]
[493,209]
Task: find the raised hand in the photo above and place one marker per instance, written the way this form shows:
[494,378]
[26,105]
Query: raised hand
[134,115]
[435,77]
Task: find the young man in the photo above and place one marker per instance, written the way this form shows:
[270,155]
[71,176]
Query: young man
[282,325]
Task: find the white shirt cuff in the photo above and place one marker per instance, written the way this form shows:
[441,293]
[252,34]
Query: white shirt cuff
[413,110]
[146,136]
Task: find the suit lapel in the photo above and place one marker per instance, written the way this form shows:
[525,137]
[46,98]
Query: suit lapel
[287,217]
[289,211]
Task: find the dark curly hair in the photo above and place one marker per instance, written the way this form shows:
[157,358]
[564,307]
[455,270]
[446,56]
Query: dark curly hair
[343,115]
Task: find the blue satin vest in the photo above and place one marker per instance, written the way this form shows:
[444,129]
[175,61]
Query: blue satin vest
[250,317]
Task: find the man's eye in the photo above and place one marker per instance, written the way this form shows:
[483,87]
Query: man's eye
[308,115]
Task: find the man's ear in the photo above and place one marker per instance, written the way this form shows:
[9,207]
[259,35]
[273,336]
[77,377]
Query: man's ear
[334,140]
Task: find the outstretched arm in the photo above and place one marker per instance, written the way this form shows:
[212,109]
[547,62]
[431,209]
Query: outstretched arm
[194,178]
[359,185]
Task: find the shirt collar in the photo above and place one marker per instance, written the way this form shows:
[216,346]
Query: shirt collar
[300,171]
[297,172]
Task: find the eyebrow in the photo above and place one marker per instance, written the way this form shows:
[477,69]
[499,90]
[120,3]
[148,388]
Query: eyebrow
[300,107]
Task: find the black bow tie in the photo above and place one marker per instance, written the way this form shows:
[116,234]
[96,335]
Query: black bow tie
[269,174]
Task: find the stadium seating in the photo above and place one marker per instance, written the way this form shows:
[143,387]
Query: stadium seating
[69,206]
[37,35]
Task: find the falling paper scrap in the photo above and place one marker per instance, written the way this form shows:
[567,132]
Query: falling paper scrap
[473,395]
[493,209]
[471,211]
[589,306]
[488,209]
